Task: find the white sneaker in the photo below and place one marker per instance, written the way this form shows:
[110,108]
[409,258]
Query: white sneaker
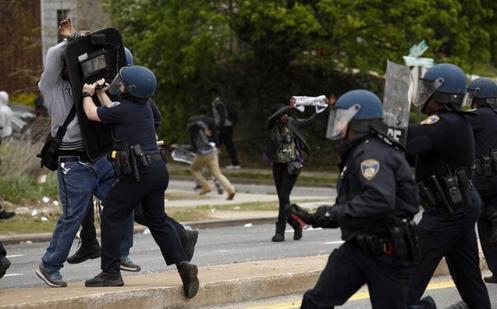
[233,167]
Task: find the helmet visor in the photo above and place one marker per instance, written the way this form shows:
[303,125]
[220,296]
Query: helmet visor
[115,85]
[469,96]
[426,88]
[338,120]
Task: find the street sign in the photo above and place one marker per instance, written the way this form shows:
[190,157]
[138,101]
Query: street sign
[418,50]
[419,62]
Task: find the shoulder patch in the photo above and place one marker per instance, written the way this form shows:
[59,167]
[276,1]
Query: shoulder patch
[431,120]
[369,168]
[115,103]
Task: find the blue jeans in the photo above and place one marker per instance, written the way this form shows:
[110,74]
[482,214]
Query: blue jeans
[78,182]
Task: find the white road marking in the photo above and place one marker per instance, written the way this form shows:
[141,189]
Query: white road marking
[338,242]
[13,275]
[14,256]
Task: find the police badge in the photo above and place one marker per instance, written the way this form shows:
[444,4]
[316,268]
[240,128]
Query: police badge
[369,168]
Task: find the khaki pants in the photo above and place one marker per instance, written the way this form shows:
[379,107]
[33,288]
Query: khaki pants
[210,161]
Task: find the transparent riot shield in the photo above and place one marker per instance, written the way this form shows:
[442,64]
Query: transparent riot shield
[396,101]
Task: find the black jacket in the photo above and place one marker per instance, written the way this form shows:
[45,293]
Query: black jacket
[375,186]
[295,126]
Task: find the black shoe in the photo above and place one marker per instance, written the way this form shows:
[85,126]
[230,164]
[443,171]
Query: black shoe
[278,238]
[189,240]
[6,214]
[491,279]
[51,278]
[105,279]
[84,253]
[127,264]
[297,228]
[188,273]
[4,265]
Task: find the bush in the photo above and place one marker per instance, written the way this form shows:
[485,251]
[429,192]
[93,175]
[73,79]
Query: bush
[18,172]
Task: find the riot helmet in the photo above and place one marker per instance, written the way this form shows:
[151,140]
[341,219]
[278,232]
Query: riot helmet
[138,81]
[445,83]
[358,110]
[482,91]
[129,56]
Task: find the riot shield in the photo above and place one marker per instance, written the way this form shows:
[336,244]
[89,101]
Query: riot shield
[396,101]
[88,59]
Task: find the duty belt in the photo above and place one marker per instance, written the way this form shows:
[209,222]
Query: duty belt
[450,193]
[398,240]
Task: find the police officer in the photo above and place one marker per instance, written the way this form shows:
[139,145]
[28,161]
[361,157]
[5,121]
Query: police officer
[374,208]
[443,149]
[483,119]
[142,175]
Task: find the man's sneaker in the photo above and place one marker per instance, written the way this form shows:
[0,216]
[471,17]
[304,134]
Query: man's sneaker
[84,253]
[231,195]
[4,265]
[491,279]
[205,190]
[188,273]
[52,278]
[189,240]
[233,167]
[105,279]
[128,265]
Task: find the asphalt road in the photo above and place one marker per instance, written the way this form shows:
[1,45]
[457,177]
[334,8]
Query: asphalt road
[214,247]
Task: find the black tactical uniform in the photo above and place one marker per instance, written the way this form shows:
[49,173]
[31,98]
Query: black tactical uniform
[443,148]
[376,202]
[484,123]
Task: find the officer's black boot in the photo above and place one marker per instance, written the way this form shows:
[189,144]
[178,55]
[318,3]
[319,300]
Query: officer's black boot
[4,265]
[297,228]
[280,231]
[85,252]
[189,240]
[188,273]
[105,279]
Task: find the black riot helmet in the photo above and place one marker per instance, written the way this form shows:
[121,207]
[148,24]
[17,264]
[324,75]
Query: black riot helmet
[482,91]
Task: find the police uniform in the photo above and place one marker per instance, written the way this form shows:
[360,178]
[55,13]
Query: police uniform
[376,201]
[133,124]
[484,123]
[443,149]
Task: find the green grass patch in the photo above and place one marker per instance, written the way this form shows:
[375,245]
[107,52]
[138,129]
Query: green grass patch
[27,224]
[24,189]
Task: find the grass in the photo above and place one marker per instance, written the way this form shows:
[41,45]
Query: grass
[308,178]
[26,224]
[25,190]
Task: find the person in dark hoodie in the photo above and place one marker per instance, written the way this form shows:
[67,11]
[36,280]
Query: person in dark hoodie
[286,148]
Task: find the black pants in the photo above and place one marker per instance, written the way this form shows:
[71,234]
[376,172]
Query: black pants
[3,252]
[489,205]
[284,183]
[89,235]
[120,202]
[453,236]
[348,269]
[226,138]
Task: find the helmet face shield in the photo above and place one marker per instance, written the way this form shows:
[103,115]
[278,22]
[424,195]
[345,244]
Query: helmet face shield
[115,85]
[426,88]
[338,120]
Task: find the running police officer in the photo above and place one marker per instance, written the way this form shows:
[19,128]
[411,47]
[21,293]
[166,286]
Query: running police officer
[142,174]
[483,95]
[443,149]
[374,208]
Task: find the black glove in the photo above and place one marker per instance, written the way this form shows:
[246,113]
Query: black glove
[325,217]
[303,214]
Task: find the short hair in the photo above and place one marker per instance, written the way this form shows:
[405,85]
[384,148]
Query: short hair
[202,109]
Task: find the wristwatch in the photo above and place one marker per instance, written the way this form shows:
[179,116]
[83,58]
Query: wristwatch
[86,94]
